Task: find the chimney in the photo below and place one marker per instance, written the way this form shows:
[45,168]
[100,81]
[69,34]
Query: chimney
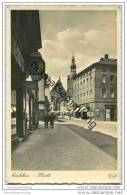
[106,56]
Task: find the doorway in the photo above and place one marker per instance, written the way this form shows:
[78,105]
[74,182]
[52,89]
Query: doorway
[109,113]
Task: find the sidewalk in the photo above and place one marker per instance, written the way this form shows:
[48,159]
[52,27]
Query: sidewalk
[106,127]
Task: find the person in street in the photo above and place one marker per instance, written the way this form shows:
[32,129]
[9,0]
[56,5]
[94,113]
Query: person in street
[84,115]
[46,120]
[69,115]
[52,118]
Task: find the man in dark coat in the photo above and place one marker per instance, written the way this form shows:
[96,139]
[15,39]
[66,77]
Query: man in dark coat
[46,120]
[52,118]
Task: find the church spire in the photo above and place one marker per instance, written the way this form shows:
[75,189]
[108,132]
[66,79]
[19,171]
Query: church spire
[73,60]
[73,66]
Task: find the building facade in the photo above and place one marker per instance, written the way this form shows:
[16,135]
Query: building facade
[56,98]
[25,41]
[96,86]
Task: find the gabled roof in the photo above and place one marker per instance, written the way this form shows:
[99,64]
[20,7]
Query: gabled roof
[58,84]
[55,86]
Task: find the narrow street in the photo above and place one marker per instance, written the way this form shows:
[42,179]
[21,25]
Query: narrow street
[66,147]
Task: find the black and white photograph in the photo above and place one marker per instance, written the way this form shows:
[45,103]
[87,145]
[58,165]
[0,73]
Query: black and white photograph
[63,94]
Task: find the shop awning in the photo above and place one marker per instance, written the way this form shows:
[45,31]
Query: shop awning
[83,109]
[77,109]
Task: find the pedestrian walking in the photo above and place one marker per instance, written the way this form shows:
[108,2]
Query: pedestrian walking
[46,120]
[52,118]
[69,115]
[84,115]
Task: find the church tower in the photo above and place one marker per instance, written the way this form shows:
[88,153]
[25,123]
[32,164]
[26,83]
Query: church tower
[73,67]
[71,77]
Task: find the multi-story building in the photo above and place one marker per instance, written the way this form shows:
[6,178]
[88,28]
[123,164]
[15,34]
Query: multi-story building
[96,86]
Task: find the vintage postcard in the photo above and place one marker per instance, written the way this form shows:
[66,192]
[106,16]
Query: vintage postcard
[63,94]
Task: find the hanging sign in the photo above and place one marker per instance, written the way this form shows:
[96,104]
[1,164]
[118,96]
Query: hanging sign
[37,66]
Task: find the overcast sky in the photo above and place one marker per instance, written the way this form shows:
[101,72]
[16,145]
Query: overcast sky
[87,34]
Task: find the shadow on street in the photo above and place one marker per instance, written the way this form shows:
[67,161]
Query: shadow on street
[105,142]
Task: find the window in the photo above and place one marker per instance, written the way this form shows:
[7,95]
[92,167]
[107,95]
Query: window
[104,93]
[75,87]
[91,79]
[111,78]
[78,86]
[103,78]
[87,92]
[91,92]
[112,93]
[87,79]
[81,85]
